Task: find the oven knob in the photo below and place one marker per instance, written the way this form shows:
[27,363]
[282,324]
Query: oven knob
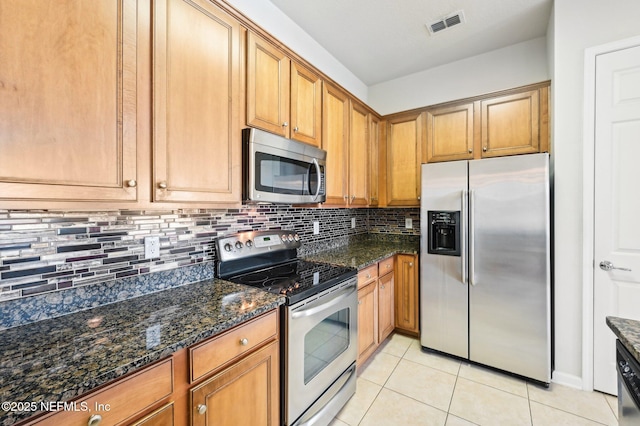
[227,247]
[283,238]
[290,238]
[238,245]
[283,291]
[249,243]
[296,285]
[296,237]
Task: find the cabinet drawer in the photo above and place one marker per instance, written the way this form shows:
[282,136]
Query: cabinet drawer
[163,416]
[385,266]
[120,401]
[212,354]
[367,274]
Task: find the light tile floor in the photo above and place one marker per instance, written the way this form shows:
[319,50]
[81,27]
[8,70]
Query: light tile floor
[401,385]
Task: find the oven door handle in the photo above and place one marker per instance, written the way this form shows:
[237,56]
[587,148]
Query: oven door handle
[322,304]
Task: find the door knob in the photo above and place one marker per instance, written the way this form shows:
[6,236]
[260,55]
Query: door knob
[605,265]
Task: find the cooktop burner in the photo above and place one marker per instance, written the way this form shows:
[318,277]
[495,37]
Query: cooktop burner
[296,279]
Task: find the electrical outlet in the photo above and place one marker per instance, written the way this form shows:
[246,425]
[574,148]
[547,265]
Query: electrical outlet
[408,223]
[353,222]
[151,247]
[153,336]
[316,228]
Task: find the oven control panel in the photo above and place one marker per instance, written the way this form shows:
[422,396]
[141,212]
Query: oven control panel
[252,243]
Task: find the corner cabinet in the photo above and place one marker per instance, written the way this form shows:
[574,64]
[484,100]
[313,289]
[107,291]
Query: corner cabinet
[283,97]
[404,151]
[68,104]
[196,105]
[406,294]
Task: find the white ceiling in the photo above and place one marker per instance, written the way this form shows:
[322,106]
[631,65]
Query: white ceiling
[380,40]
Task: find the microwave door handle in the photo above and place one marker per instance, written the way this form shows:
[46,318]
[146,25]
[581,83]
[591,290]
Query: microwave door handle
[318,171]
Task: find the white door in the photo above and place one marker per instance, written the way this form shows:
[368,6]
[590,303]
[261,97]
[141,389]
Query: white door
[617,204]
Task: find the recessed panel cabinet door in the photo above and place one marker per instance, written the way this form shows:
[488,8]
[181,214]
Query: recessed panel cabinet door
[68,100]
[359,156]
[450,132]
[335,140]
[197,141]
[306,105]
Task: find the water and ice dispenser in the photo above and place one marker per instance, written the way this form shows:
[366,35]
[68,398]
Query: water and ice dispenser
[444,232]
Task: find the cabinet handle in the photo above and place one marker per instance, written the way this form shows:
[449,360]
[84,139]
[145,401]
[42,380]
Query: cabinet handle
[202,408]
[94,420]
[388,265]
[353,197]
[484,148]
[381,287]
[131,183]
[346,197]
[470,151]
[295,129]
[285,124]
[359,302]
[368,276]
[411,264]
[162,185]
[244,341]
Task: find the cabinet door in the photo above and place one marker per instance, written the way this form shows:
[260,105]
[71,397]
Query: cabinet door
[335,140]
[359,167]
[196,105]
[247,393]
[268,79]
[374,159]
[386,319]
[405,139]
[306,105]
[511,125]
[367,320]
[450,133]
[68,104]
[406,293]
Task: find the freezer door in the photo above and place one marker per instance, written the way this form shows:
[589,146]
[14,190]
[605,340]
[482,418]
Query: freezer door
[509,272]
[443,291]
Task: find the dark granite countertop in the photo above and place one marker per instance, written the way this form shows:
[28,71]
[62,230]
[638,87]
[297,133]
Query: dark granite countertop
[367,250]
[61,358]
[628,331]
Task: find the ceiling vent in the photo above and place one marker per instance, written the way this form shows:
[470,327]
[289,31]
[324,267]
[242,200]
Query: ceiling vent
[446,22]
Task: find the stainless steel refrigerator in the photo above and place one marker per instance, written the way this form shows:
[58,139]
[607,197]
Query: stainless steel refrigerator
[485,286]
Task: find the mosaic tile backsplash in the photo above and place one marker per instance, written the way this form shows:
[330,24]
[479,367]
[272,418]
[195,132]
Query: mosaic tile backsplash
[43,252]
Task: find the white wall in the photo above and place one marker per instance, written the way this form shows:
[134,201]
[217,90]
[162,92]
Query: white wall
[279,25]
[576,26]
[516,65]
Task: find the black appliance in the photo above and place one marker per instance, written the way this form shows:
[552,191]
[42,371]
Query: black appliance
[628,387]
[444,232]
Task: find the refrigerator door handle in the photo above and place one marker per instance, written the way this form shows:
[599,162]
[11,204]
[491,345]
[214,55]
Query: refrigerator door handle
[472,279]
[463,236]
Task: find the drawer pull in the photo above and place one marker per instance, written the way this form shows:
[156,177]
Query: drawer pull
[368,276]
[388,265]
[202,408]
[381,287]
[244,341]
[94,420]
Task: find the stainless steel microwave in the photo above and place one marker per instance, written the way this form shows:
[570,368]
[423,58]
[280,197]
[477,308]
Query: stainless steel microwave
[280,170]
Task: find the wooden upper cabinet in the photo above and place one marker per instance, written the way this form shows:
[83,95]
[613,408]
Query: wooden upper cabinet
[511,124]
[359,164]
[268,79]
[335,140]
[283,97]
[404,145]
[196,120]
[306,105]
[450,133]
[68,104]
[374,160]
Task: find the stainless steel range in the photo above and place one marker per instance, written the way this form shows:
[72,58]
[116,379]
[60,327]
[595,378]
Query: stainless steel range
[319,321]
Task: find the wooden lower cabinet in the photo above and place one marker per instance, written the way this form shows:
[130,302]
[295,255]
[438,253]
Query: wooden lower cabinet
[247,393]
[406,294]
[120,402]
[376,306]
[367,320]
[386,320]
[163,416]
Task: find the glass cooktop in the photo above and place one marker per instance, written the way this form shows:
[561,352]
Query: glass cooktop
[296,279]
